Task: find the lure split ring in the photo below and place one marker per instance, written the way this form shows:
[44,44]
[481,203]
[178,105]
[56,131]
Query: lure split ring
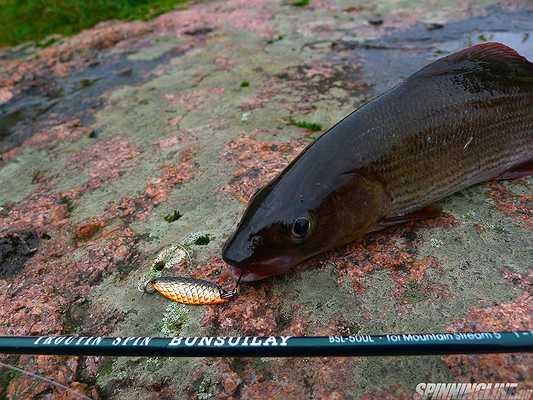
[189,290]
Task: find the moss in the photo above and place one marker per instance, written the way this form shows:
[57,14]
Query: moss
[173,216]
[312,126]
[245,84]
[300,3]
[202,240]
[159,265]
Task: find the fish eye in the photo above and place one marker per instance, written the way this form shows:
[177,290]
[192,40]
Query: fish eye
[300,228]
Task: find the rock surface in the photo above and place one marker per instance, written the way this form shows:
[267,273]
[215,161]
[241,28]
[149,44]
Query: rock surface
[105,135]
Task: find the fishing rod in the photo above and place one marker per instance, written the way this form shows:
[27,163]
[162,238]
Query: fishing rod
[274,346]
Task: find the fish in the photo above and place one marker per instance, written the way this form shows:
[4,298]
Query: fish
[464,119]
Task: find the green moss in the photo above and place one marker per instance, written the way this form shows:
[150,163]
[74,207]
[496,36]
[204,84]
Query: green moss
[173,216]
[159,265]
[412,293]
[202,240]
[245,83]
[312,126]
[23,20]
[300,3]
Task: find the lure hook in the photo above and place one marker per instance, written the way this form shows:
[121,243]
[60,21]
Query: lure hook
[232,293]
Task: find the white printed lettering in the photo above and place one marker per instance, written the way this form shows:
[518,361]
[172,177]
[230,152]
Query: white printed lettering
[39,339]
[271,341]
[205,341]
[59,339]
[284,340]
[176,341]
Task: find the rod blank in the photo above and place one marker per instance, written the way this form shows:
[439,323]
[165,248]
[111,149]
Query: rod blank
[274,346]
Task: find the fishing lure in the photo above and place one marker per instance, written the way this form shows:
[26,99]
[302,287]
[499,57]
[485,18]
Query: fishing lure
[190,290]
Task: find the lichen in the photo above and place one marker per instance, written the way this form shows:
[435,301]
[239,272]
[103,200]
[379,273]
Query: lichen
[206,389]
[175,318]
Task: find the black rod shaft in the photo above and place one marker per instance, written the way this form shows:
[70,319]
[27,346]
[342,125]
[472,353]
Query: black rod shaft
[274,346]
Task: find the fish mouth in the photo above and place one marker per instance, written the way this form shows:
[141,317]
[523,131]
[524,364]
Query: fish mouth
[246,276]
[259,272]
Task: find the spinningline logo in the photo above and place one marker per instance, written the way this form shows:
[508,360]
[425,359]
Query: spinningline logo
[473,391]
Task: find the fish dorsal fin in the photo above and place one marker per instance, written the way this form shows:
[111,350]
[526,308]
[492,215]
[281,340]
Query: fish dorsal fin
[491,58]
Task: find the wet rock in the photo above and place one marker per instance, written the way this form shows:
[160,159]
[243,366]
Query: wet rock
[15,249]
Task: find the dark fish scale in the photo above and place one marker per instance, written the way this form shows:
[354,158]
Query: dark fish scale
[493,154]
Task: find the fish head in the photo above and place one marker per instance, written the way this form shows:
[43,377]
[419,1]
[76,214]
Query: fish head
[286,224]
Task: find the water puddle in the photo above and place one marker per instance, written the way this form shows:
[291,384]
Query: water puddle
[393,58]
[522,42]
[71,96]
